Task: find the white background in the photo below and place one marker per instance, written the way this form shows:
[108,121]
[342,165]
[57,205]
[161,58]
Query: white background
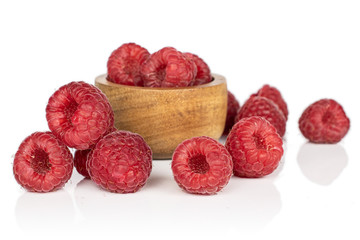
[307,49]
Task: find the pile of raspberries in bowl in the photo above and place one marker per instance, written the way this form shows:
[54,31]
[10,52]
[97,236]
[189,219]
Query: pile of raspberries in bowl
[80,116]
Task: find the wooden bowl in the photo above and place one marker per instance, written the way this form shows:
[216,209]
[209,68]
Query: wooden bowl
[165,117]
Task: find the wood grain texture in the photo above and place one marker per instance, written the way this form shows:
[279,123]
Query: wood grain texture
[165,117]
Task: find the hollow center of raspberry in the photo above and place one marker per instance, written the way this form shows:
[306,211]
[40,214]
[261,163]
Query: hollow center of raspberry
[40,161]
[328,117]
[198,164]
[259,141]
[70,110]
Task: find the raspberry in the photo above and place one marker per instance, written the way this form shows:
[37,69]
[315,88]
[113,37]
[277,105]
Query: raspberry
[201,165]
[124,64]
[203,71]
[42,163]
[233,107]
[255,147]
[168,68]
[324,122]
[263,107]
[121,162]
[274,95]
[79,114]
[80,159]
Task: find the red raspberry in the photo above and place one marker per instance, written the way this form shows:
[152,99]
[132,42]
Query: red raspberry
[274,95]
[80,160]
[263,107]
[201,165]
[203,71]
[233,107]
[79,114]
[121,162]
[324,122]
[42,163]
[255,147]
[124,64]
[168,68]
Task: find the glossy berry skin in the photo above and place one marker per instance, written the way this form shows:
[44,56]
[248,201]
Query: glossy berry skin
[274,95]
[124,64]
[42,163]
[255,147]
[324,122]
[168,68]
[79,114]
[233,107]
[201,165]
[263,107]
[121,162]
[80,160]
[203,74]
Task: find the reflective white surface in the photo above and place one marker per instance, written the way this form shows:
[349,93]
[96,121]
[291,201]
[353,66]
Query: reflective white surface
[308,49]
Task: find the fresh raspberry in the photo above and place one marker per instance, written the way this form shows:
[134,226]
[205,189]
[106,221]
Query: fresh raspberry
[324,122]
[42,163]
[79,114]
[233,107]
[81,157]
[121,162]
[203,71]
[274,95]
[80,160]
[255,147]
[168,68]
[263,107]
[124,64]
[201,165]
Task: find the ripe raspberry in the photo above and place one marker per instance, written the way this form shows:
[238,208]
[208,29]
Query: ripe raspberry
[263,107]
[168,68]
[121,162]
[124,64]
[324,122]
[201,165]
[79,114]
[274,95]
[203,71]
[80,160]
[255,147]
[42,163]
[233,107]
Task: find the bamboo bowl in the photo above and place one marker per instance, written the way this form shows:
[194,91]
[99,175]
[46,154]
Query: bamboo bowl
[165,117]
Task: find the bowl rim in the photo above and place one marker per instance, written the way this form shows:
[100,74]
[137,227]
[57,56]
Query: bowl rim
[218,79]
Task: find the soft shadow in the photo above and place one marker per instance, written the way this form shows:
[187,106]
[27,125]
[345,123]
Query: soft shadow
[256,203]
[103,209]
[42,212]
[322,163]
[155,181]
